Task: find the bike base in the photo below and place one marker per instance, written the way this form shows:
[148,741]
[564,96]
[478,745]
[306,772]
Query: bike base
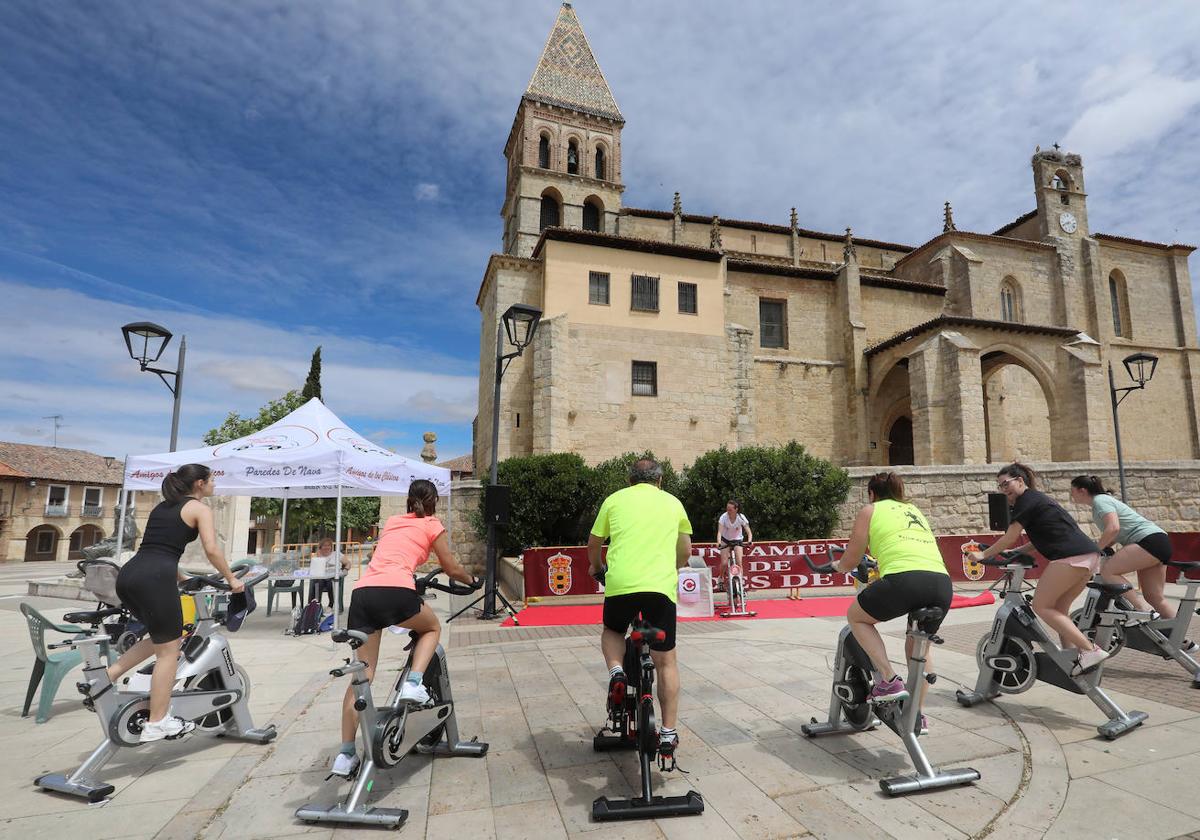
[389,817]
[605,809]
[604,743]
[1114,729]
[260,735]
[91,791]
[900,785]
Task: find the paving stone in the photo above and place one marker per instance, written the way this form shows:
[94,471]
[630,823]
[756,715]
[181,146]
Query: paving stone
[478,824]
[1171,782]
[459,783]
[749,811]
[900,817]
[1123,814]
[829,818]
[516,776]
[529,820]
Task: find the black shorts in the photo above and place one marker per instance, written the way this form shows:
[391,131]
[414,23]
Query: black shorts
[655,607]
[1158,545]
[148,587]
[375,607]
[904,592]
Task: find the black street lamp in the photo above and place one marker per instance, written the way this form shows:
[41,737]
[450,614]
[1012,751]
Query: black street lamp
[146,342]
[520,323]
[1140,367]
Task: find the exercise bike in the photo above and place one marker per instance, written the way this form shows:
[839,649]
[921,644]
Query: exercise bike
[1162,637]
[631,726]
[392,731]
[850,709]
[210,689]
[1009,664]
[735,585]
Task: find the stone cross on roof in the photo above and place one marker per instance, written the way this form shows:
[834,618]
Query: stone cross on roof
[567,73]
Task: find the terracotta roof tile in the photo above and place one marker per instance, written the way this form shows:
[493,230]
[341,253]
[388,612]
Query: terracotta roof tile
[627,243]
[567,73]
[461,464]
[765,227]
[961,321]
[1108,237]
[58,464]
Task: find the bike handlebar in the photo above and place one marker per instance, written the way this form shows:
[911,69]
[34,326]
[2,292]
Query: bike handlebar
[863,572]
[452,587]
[194,583]
[1009,555]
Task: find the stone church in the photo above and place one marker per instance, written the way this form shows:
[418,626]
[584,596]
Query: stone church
[683,332]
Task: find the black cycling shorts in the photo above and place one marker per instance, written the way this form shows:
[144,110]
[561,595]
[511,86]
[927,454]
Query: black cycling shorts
[373,608]
[905,592]
[655,607]
[1158,545]
[148,587]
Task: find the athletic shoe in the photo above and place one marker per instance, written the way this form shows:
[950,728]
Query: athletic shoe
[923,726]
[344,765]
[412,692]
[168,729]
[1089,660]
[667,743]
[888,691]
[617,686]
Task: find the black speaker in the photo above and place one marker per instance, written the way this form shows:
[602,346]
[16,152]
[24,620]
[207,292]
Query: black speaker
[496,503]
[997,512]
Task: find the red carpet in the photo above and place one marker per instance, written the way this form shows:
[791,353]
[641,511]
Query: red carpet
[557,615]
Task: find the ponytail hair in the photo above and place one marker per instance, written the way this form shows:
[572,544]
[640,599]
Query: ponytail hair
[422,498]
[1091,483]
[1019,470]
[180,483]
[886,485]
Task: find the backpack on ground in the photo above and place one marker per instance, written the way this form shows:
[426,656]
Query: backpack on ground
[308,621]
[326,624]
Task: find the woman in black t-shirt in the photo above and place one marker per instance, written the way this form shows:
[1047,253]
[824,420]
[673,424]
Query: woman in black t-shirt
[1073,557]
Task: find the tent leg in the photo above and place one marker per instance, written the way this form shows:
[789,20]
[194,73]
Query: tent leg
[121,522]
[337,570]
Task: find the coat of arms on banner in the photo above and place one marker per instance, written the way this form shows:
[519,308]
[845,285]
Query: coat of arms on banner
[559,576]
[973,571]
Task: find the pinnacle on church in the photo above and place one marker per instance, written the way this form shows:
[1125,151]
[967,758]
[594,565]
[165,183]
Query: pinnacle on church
[714,237]
[795,219]
[677,207]
[948,219]
[848,250]
[567,73]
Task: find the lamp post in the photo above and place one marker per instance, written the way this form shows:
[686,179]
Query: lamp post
[146,342]
[1140,367]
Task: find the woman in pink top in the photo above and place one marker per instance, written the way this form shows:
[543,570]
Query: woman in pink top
[386,595]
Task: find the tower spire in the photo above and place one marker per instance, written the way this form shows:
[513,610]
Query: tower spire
[567,74]
[848,251]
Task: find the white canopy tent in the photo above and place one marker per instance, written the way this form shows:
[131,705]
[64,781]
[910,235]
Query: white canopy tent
[309,454]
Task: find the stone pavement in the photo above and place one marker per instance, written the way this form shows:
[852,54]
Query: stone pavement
[535,695]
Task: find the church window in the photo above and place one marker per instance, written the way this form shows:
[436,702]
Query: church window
[592,215]
[549,212]
[572,158]
[644,297]
[600,163]
[1120,304]
[687,298]
[544,152]
[1010,301]
[598,287]
[645,379]
[772,323]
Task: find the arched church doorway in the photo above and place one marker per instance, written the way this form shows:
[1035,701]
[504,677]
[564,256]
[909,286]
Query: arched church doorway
[900,442]
[1016,412]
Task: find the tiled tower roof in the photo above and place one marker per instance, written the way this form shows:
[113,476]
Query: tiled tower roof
[567,73]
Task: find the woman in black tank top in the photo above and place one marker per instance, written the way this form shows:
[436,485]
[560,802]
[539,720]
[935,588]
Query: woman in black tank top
[148,587]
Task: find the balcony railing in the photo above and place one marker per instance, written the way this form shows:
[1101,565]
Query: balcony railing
[92,510]
[57,509]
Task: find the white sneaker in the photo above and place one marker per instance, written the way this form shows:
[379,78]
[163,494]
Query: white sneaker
[344,765]
[414,693]
[169,728]
[1089,660]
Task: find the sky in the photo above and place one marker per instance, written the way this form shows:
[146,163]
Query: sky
[266,177]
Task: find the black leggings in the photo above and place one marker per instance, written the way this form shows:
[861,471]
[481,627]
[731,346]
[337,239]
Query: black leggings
[148,587]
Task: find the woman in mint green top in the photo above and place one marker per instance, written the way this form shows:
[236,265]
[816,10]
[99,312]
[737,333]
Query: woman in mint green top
[912,574]
[1145,548]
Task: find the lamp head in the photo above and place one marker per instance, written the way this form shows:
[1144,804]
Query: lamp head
[520,323]
[1140,367]
[145,341]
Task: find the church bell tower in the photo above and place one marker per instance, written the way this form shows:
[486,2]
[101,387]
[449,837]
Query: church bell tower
[564,150]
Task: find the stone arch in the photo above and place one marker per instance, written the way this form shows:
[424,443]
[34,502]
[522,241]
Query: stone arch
[890,399]
[1019,405]
[600,161]
[1118,299]
[574,154]
[1062,180]
[545,152]
[81,538]
[34,541]
[551,212]
[593,214]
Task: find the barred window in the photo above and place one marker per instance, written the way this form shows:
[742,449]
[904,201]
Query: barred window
[645,379]
[644,297]
[772,323]
[687,298]
[598,287]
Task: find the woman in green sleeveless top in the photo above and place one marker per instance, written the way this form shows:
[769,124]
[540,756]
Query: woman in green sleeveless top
[912,574]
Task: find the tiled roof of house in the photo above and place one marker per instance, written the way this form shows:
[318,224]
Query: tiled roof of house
[567,73]
[627,243]
[461,464]
[766,227]
[1020,220]
[962,321]
[1126,240]
[57,464]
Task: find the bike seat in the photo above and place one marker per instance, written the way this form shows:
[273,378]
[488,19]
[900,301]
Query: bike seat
[1186,565]
[91,616]
[927,614]
[648,632]
[354,637]
[1113,589]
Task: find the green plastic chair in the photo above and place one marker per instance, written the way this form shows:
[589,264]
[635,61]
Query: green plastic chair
[276,588]
[49,668]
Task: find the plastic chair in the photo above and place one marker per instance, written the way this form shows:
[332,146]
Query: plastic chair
[49,668]
[295,588]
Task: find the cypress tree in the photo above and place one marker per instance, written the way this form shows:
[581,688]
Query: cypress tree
[312,385]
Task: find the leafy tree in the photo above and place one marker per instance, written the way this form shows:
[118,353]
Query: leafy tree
[312,385]
[552,496]
[786,493]
[613,475]
[235,426]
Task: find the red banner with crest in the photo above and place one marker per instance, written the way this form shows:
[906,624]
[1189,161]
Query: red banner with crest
[780,565]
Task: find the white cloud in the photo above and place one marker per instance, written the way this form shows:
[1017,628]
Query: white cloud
[426,192]
[1135,119]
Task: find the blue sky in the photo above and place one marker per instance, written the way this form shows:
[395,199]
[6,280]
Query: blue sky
[267,177]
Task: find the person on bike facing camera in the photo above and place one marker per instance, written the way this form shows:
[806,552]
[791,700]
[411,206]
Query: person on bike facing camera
[733,529]
[649,540]
[912,574]
[386,596]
